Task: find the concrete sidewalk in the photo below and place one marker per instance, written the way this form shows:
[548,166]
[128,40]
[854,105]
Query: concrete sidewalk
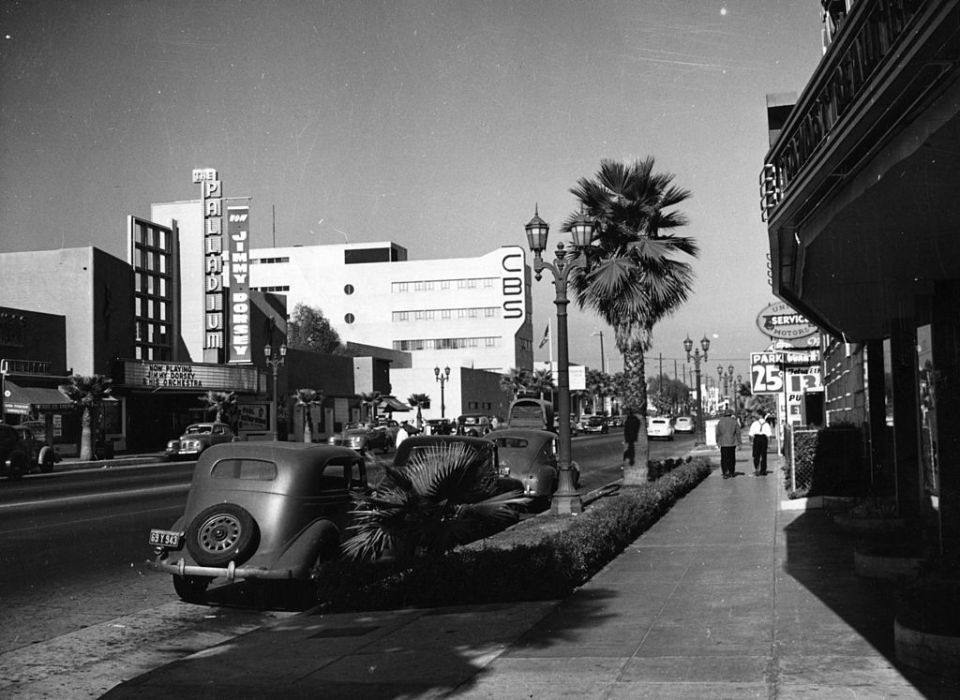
[725,597]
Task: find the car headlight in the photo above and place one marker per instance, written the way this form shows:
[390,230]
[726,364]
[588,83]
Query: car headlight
[173,445]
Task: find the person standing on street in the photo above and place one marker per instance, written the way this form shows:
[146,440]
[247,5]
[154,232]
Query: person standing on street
[728,438]
[760,433]
[631,430]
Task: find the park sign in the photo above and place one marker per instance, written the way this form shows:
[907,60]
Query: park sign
[779,321]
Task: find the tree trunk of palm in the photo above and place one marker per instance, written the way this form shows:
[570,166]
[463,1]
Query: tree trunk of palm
[86,435]
[636,396]
[307,425]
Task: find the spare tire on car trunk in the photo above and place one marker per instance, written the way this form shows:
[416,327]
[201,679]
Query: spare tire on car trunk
[222,533]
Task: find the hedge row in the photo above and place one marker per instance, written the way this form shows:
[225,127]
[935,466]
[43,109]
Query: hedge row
[547,569]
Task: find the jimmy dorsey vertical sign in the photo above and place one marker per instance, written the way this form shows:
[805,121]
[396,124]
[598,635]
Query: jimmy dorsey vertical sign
[238,235]
[212,201]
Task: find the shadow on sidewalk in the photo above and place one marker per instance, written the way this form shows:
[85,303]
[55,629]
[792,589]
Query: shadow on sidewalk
[820,558]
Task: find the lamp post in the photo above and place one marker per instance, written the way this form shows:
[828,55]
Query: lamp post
[274,361]
[603,368]
[566,500]
[443,378]
[696,357]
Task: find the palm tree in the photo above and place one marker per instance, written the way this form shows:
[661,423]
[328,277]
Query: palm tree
[419,401]
[370,399]
[632,278]
[222,404]
[87,394]
[307,399]
[444,496]
[541,381]
[516,381]
[596,381]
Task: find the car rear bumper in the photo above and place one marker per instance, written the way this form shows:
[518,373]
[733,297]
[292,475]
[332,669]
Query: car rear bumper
[231,572]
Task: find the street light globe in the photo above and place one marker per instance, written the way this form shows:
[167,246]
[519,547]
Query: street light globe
[537,231]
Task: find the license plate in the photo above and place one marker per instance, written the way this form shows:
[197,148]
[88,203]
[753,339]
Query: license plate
[166,538]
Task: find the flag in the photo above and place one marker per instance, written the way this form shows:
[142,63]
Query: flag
[546,336]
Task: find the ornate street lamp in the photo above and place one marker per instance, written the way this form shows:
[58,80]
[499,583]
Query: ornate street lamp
[443,378]
[274,361]
[566,500]
[697,357]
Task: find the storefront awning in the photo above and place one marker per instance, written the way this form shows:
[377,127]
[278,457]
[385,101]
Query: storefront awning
[391,404]
[24,399]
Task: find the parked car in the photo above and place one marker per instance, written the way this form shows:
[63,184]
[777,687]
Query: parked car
[475,424]
[259,510]
[364,437]
[534,414]
[197,438]
[658,427]
[683,424]
[21,453]
[595,424]
[439,426]
[531,457]
[487,475]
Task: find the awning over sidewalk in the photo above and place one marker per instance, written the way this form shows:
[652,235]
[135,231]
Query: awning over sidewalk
[21,399]
[391,404]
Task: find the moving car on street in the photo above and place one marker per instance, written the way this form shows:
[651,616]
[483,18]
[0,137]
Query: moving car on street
[658,427]
[21,453]
[259,510]
[595,424]
[197,438]
[683,424]
[364,437]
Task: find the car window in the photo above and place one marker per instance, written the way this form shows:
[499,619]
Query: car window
[336,475]
[514,443]
[252,469]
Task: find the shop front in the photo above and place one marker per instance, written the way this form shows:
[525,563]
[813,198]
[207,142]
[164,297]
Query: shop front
[160,399]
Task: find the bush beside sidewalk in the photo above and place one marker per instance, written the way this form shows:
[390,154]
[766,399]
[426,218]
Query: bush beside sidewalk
[542,558]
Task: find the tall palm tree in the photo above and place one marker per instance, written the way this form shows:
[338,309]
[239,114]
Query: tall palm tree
[419,402]
[516,381]
[632,278]
[306,399]
[87,394]
[596,382]
[222,404]
[370,399]
[541,381]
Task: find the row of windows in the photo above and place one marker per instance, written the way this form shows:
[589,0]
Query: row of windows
[150,284]
[445,314]
[446,343]
[432,285]
[269,261]
[275,288]
[149,352]
[150,236]
[148,308]
[153,333]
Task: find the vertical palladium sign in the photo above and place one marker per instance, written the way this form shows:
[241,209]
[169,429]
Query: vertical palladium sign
[212,200]
[238,234]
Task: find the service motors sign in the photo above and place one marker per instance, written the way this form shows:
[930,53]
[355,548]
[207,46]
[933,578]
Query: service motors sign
[779,321]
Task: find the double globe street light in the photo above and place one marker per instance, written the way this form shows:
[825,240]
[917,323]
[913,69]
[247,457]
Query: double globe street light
[697,357]
[274,361]
[443,378]
[567,499]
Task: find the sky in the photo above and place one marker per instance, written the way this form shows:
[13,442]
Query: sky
[439,125]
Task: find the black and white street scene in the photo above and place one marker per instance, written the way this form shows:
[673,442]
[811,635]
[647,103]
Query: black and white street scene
[479,349]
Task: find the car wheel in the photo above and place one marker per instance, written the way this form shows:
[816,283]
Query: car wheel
[47,459]
[191,588]
[222,533]
[19,464]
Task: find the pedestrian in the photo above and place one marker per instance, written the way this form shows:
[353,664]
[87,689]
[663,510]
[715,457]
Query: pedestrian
[494,423]
[631,429]
[760,432]
[461,426]
[728,438]
[403,432]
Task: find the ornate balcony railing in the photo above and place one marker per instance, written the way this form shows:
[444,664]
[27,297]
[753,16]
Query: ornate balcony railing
[865,43]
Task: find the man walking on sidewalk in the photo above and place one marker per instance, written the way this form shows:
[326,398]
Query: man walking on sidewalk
[631,431]
[760,433]
[728,438]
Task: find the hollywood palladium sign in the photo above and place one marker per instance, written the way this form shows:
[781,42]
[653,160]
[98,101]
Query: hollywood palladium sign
[238,308]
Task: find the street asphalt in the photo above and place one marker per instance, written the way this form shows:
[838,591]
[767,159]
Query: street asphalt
[727,596]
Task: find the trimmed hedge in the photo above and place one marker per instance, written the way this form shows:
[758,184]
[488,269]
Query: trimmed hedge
[546,569]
